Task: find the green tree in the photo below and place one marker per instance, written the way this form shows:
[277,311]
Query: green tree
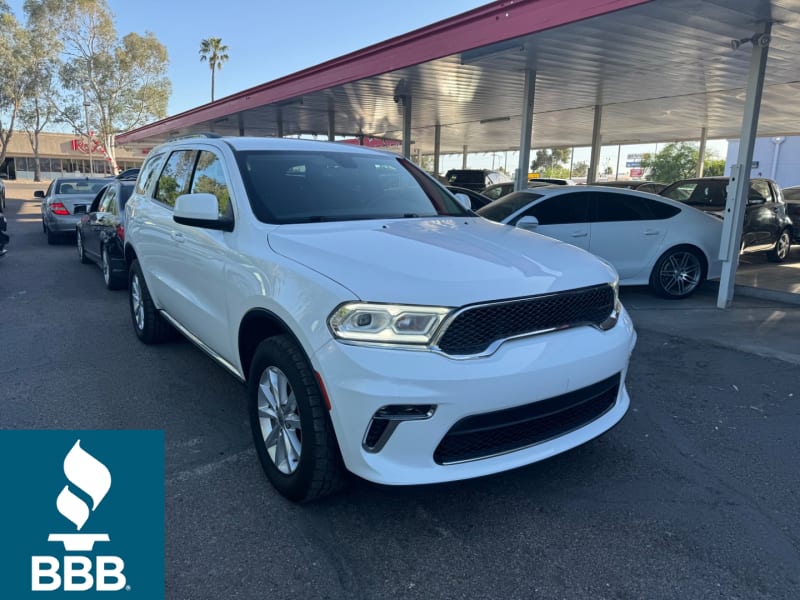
[673,162]
[548,159]
[713,167]
[123,80]
[580,169]
[216,53]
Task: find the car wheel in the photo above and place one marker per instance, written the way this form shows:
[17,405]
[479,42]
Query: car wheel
[81,251]
[292,431]
[52,238]
[113,280]
[678,273]
[781,249]
[149,325]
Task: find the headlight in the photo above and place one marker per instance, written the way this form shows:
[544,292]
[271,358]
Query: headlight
[614,316]
[386,323]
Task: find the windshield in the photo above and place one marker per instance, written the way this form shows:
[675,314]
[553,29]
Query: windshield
[501,209]
[307,187]
[709,193]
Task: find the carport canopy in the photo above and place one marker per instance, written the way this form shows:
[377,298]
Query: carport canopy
[513,75]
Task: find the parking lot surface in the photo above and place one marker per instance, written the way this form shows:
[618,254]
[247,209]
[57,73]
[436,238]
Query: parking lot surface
[696,494]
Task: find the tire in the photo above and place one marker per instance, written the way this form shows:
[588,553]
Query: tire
[677,273]
[149,325]
[292,431]
[113,281]
[781,249]
[52,238]
[81,252]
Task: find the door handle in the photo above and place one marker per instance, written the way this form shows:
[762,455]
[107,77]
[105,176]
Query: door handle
[177,236]
[579,234]
[651,232]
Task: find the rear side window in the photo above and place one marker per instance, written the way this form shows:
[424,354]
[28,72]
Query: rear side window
[619,207]
[148,174]
[760,189]
[174,179]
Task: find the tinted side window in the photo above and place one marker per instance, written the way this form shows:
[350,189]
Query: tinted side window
[660,210]
[621,207]
[174,179]
[564,208]
[209,178]
[148,174]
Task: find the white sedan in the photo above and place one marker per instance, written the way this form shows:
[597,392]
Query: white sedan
[649,239]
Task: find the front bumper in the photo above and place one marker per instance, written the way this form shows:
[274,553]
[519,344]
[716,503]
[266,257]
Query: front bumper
[361,380]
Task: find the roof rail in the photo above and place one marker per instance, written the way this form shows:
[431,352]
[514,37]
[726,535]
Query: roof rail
[200,134]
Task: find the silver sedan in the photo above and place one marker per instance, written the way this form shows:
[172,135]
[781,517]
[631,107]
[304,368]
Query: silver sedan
[65,201]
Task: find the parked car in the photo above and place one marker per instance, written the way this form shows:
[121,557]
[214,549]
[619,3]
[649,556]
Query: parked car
[767,227]
[649,240]
[381,327]
[128,174]
[550,180]
[791,196]
[652,187]
[474,179]
[66,200]
[4,239]
[2,195]
[100,233]
[498,190]
[476,199]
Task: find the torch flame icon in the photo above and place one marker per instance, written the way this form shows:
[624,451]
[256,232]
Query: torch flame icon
[92,477]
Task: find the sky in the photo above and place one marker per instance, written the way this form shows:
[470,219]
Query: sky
[268,39]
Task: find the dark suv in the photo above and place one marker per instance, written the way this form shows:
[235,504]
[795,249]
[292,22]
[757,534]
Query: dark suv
[474,179]
[766,224]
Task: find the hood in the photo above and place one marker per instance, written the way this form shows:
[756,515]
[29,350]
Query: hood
[440,261]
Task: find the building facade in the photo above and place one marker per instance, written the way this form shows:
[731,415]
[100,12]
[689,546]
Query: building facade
[63,154]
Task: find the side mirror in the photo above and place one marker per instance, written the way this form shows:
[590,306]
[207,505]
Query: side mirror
[463,200]
[529,223]
[200,210]
[38,194]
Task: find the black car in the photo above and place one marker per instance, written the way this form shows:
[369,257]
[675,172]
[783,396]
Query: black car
[101,233]
[654,187]
[129,174]
[766,224]
[474,179]
[3,234]
[476,199]
[791,195]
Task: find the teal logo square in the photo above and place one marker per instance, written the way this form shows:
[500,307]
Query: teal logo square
[83,514]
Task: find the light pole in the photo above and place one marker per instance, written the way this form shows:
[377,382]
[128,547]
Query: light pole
[86,105]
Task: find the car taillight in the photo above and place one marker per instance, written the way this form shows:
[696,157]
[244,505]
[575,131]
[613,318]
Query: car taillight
[121,232]
[58,208]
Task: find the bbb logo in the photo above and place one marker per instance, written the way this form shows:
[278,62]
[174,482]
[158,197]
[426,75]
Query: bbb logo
[89,481]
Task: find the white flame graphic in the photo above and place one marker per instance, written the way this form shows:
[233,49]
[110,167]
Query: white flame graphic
[89,475]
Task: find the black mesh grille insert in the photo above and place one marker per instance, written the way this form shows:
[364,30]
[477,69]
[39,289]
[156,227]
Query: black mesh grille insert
[511,429]
[472,331]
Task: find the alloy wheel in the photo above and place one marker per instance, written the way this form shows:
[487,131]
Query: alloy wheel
[279,420]
[106,268]
[136,302]
[680,273]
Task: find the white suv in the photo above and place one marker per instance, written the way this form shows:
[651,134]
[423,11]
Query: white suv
[381,328]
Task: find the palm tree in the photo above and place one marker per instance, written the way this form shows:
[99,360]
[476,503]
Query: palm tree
[216,54]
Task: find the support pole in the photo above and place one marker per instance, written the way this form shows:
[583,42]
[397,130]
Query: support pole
[526,131]
[594,161]
[406,99]
[701,156]
[241,125]
[740,172]
[464,158]
[437,144]
[279,122]
[331,125]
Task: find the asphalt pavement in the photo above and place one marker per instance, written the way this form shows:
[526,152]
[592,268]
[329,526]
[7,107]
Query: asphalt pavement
[695,494]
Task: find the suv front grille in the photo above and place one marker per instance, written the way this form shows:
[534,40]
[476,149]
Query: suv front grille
[498,432]
[474,329]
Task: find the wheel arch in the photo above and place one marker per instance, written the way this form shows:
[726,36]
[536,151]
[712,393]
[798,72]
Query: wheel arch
[688,246]
[257,325]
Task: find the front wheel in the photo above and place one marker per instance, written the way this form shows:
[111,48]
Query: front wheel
[781,249]
[677,274]
[292,432]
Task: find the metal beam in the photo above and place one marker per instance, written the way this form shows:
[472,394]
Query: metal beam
[526,131]
[740,172]
[594,161]
[437,146]
[701,156]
